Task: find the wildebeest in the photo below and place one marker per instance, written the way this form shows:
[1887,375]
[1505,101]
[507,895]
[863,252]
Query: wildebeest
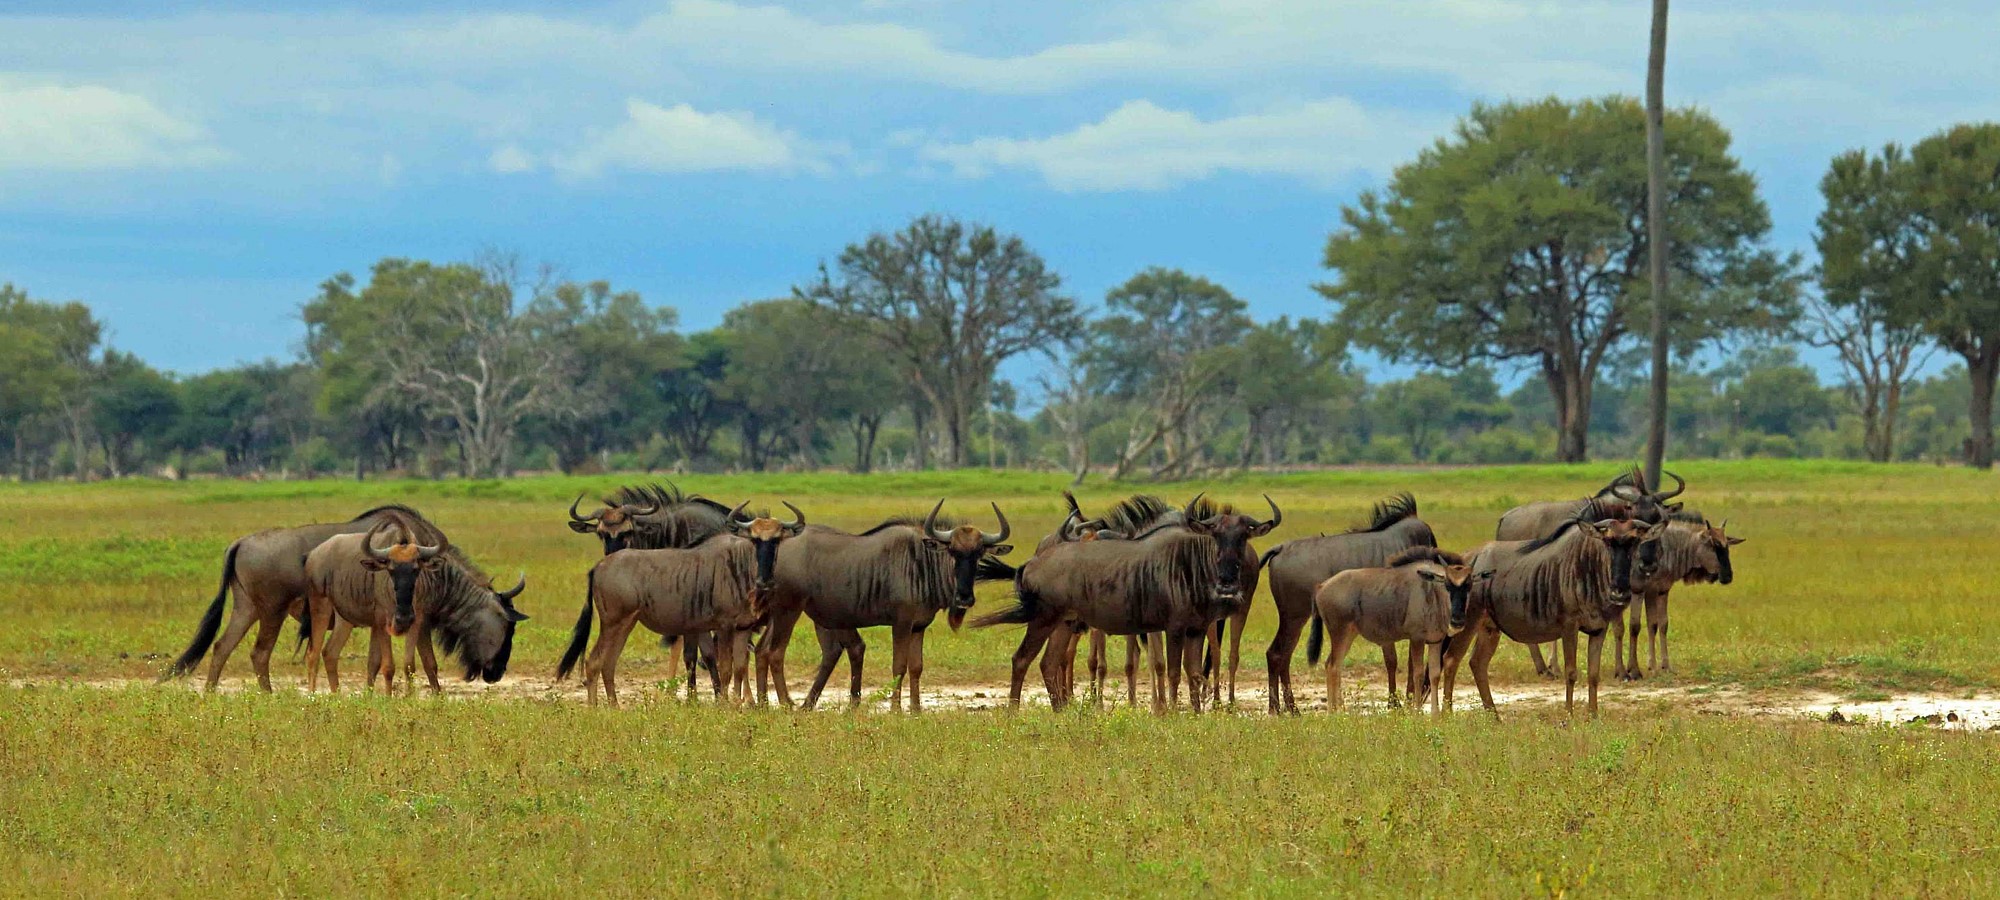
[1575,579]
[1420,597]
[1692,551]
[367,585]
[900,573]
[1175,580]
[1626,496]
[1296,568]
[268,571]
[659,517]
[716,586]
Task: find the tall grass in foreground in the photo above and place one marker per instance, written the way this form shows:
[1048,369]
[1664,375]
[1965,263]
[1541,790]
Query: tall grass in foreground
[141,791]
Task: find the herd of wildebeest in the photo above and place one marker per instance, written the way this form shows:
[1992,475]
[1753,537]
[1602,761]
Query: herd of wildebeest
[1177,582]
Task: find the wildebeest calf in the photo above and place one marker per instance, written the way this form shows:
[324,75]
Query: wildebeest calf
[1419,597]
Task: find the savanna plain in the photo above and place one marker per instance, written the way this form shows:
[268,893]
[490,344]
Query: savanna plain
[1858,584]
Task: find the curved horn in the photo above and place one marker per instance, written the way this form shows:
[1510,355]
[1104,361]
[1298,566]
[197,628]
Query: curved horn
[635,510]
[368,543]
[508,596]
[577,518]
[1187,512]
[1276,515]
[736,515]
[930,523]
[1064,532]
[798,517]
[424,552]
[1680,484]
[989,540]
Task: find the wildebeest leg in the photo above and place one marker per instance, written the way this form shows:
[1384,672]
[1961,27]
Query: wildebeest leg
[1656,624]
[1625,633]
[1175,651]
[1155,648]
[1098,666]
[1236,624]
[771,656]
[705,647]
[1596,655]
[1060,643]
[611,638]
[1542,667]
[915,665]
[1336,653]
[1278,661]
[241,616]
[1389,665]
[1433,670]
[272,624]
[725,662]
[382,656]
[1569,673]
[1033,639]
[1452,652]
[331,653]
[421,636]
[1483,648]
[1134,645]
[830,645]
[1191,663]
[1410,686]
[899,663]
[319,615]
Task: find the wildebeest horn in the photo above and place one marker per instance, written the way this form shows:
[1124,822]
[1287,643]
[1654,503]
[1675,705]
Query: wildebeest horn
[1064,531]
[1276,516]
[577,518]
[1680,485]
[508,596]
[1187,513]
[424,552]
[799,518]
[648,510]
[930,523]
[989,540]
[368,543]
[736,515]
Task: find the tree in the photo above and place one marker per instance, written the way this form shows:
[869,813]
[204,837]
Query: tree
[1879,355]
[473,344]
[1521,236]
[1772,392]
[1656,238]
[1167,344]
[616,344]
[950,302]
[1918,233]
[131,401]
[690,389]
[31,380]
[1286,371]
[71,333]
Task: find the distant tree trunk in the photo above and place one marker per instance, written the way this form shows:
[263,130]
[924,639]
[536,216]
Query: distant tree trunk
[865,429]
[1656,238]
[1571,392]
[920,423]
[1982,365]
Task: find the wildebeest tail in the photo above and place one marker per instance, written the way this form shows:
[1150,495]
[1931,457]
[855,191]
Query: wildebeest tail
[211,622]
[1023,610]
[1315,639]
[992,569]
[580,637]
[1264,562]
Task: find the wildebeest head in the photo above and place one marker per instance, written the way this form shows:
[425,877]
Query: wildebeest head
[404,560]
[1711,555]
[480,629]
[764,533]
[966,545]
[1624,538]
[612,523]
[1648,505]
[1447,570]
[1231,532]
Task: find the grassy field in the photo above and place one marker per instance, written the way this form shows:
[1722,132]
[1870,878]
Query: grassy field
[1859,580]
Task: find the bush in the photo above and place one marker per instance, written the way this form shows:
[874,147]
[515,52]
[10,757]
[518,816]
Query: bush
[1387,449]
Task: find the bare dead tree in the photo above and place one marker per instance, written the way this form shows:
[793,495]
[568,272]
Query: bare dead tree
[1879,358]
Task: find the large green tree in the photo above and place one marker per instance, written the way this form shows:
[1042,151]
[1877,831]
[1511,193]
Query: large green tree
[949,302]
[133,405]
[1522,237]
[1916,234]
[1168,345]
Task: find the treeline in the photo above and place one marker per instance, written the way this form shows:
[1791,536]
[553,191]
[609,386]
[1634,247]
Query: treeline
[1518,240]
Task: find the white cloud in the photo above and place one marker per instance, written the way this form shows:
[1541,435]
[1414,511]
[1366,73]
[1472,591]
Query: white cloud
[510,160]
[1142,146]
[681,138]
[88,127]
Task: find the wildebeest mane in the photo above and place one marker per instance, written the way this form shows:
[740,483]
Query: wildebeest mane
[679,520]
[1389,512]
[458,593]
[1689,516]
[1415,555]
[1137,513]
[916,521]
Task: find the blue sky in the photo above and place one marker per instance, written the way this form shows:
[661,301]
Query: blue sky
[194,170]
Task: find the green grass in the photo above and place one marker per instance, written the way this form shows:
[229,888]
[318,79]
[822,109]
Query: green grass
[1859,580]
[166,792]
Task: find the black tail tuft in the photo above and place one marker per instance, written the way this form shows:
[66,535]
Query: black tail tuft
[993,569]
[1023,611]
[580,637]
[211,622]
[1315,640]
[1264,562]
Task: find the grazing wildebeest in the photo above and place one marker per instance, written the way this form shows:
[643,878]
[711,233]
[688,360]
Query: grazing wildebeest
[367,585]
[900,573]
[1296,568]
[716,586]
[1693,552]
[1574,579]
[1420,597]
[1627,496]
[1175,580]
[268,571]
[657,517]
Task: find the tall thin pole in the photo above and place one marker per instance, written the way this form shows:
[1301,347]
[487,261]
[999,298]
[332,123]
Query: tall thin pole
[1656,237]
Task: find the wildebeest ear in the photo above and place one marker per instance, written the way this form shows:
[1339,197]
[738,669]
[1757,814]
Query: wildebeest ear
[1484,575]
[1000,549]
[373,564]
[1733,541]
[515,615]
[1429,575]
[1672,507]
[583,527]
